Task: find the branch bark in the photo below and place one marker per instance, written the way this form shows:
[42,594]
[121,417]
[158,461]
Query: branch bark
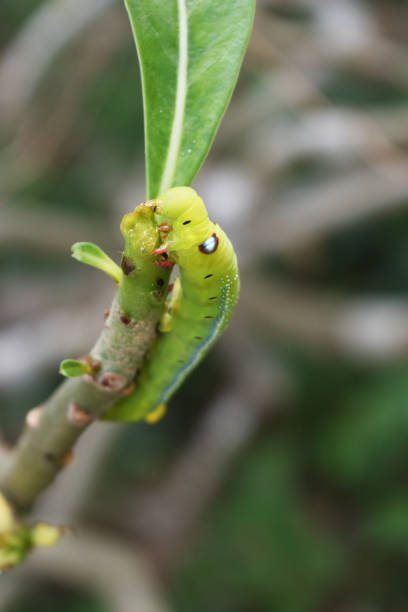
[52,429]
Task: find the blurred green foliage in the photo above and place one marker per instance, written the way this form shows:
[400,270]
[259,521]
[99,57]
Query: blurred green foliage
[262,550]
[349,88]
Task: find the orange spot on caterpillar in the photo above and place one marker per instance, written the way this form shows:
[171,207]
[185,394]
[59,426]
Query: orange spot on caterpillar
[155,415]
[160,250]
[165,264]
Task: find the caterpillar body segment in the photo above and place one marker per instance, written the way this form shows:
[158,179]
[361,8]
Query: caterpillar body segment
[198,310]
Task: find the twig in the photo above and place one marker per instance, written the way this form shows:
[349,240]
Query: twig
[44,136]
[52,231]
[129,331]
[44,447]
[116,571]
[30,54]
[70,329]
[5,456]
[62,503]
[372,329]
[305,214]
[328,133]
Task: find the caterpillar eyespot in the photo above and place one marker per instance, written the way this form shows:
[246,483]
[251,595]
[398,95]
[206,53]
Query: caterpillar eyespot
[210,245]
[200,305]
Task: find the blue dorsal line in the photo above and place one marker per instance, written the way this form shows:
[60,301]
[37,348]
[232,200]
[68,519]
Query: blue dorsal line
[200,347]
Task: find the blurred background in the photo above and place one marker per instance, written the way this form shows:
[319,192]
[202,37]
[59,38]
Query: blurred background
[278,480]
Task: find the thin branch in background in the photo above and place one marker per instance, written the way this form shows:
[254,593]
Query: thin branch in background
[298,49]
[309,213]
[45,136]
[68,329]
[50,230]
[5,455]
[65,500]
[370,329]
[342,137]
[90,560]
[40,40]
[341,34]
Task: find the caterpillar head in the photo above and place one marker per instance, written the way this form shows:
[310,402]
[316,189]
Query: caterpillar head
[185,214]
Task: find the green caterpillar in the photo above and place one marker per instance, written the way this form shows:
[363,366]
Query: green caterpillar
[200,307]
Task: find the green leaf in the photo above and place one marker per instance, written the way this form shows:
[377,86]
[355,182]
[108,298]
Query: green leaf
[91,254]
[72,368]
[190,52]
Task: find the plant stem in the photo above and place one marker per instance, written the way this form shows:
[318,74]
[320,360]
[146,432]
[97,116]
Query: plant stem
[53,428]
[52,431]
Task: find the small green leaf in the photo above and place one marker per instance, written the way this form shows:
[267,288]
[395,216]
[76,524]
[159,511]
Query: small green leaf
[17,539]
[91,254]
[45,535]
[72,368]
[190,52]
[6,515]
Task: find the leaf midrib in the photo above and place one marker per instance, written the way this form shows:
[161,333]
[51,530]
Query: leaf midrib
[180,100]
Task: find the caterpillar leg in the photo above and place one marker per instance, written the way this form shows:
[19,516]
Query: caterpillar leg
[171,307]
[156,414]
